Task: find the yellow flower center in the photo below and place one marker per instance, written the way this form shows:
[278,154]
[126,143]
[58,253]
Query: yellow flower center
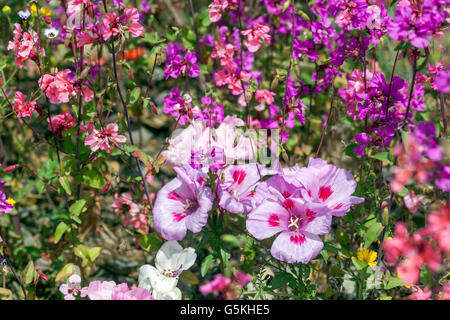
[10,201]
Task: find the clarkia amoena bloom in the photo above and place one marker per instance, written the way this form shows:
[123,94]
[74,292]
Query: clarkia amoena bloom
[182,204]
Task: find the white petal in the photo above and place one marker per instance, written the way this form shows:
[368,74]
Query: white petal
[174,294]
[166,258]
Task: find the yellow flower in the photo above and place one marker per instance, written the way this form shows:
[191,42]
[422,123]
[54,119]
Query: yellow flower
[6,10]
[11,201]
[45,11]
[368,256]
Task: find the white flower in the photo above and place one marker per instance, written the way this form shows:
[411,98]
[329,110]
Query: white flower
[170,261]
[24,14]
[51,33]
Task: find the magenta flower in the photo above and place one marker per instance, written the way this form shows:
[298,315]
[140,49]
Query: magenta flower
[299,223]
[182,204]
[442,81]
[220,283]
[6,205]
[325,184]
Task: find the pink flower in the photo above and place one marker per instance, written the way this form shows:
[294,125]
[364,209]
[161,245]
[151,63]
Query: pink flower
[242,278]
[125,205]
[72,288]
[100,290]
[75,6]
[299,223]
[102,139]
[225,287]
[25,45]
[63,86]
[62,122]
[22,107]
[412,202]
[220,283]
[182,204]
[324,183]
[254,36]
[420,294]
[439,227]
[218,6]
[237,188]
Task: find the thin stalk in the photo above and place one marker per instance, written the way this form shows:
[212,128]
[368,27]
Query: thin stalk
[125,111]
[328,121]
[443,113]
[411,90]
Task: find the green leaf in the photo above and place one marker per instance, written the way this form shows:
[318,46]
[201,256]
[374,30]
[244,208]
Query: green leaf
[225,256]
[229,238]
[324,254]
[94,253]
[66,271]
[188,277]
[206,264]
[359,264]
[280,280]
[29,272]
[82,252]
[392,282]
[65,184]
[5,294]
[134,95]
[372,234]
[60,230]
[383,156]
[77,207]
[149,242]
[93,178]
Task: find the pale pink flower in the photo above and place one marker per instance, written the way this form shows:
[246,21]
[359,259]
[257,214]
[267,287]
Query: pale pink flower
[72,288]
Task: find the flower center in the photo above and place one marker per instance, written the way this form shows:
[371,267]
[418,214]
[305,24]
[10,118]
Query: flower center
[168,273]
[191,205]
[294,223]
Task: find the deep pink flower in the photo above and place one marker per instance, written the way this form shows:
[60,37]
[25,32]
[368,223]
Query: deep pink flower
[61,122]
[25,45]
[22,107]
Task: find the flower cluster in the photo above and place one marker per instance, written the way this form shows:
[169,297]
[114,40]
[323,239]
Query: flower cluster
[425,247]
[130,212]
[26,45]
[64,85]
[225,288]
[420,158]
[102,290]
